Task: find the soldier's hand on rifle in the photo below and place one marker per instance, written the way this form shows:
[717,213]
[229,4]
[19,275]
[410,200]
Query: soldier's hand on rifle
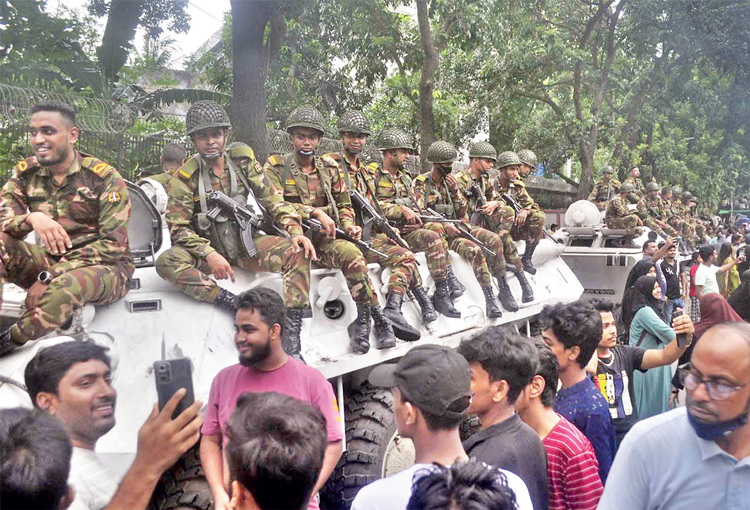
[521,217]
[354,231]
[220,267]
[303,243]
[490,207]
[328,224]
[54,237]
[410,216]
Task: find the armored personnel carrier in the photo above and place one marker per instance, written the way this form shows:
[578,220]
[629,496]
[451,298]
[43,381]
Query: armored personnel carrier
[134,327]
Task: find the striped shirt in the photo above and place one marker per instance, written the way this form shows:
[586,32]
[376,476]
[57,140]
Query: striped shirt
[572,469]
[94,484]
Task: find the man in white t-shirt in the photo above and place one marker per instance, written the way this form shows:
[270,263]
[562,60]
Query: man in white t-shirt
[431,388]
[705,276]
[72,381]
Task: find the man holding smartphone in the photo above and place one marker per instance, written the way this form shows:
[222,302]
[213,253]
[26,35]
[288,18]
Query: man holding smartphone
[72,381]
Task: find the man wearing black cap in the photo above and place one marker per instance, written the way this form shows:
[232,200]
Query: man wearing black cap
[431,388]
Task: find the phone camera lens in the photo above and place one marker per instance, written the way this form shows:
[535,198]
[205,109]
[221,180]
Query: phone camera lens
[162,368]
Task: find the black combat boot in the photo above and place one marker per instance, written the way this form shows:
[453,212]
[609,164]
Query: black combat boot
[359,330]
[505,296]
[226,301]
[442,300]
[6,343]
[627,242]
[428,311]
[527,295]
[401,327]
[290,340]
[493,311]
[457,288]
[384,336]
[526,259]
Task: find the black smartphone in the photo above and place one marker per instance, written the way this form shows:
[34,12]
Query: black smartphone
[171,375]
[682,338]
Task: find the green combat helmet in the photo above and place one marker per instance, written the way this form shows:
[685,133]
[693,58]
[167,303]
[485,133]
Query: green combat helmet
[652,186]
[676,192]
[307,117]
[206,114]
[686,196]
[234,145]
[441,152]
[279,142]
[507,158]
[528,157]
[482,150]
[627,188]
[353,121]
[608,170]
[326,145]
[394,138]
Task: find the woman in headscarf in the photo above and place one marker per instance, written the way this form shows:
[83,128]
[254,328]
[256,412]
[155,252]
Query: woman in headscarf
[641,268]
[649,331]
[730,280]
[740,299]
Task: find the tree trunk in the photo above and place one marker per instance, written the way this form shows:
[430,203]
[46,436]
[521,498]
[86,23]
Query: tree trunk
[586,154]
[426,81]
[122,22]
[250,70]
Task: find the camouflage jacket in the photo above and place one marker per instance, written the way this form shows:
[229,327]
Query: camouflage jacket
[393,192]
[617,207]
[485,185]
[92,204]
[656,207]
[162,178]
[184,200]
[641,209]
[602,191]
[446,199]
[360,178]
[323,189]
[517,191]
[637,184]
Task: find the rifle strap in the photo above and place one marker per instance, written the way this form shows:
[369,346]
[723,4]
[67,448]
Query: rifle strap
[204,181]
[326,184]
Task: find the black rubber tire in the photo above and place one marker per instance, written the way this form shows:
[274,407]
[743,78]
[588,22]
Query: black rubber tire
[370,424]
[183,486]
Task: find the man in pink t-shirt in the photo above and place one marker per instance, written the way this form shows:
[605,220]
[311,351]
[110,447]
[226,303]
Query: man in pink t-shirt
[263,367]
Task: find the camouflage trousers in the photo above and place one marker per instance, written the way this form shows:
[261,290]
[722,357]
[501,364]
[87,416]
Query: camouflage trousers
[500,224]
[21,263]
[682,226]
[629,223]
[275,255]
[651,223]
[470,251]
[495,243]
[431,240]
[340,254]
[532,229]
[666,228]
[700,229]
[403,265]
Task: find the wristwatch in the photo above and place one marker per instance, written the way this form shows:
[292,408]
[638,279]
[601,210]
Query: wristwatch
[45,277]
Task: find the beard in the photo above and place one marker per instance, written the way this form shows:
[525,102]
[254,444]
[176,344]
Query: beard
[53,157]
[256,354]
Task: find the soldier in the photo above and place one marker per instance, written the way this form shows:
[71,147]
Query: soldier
[529,163]
[657,210]
[634,175]
[354,128]
[203,247]
[394,192]
[172,158]
[679,217]
[688,217]
[439,190]
[700,226]
[486,209]
[315,186]
[78,207]
[529,223]
[605,189]
[618,216]
[642,211]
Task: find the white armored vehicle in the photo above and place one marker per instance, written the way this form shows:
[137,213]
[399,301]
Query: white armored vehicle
[134,327]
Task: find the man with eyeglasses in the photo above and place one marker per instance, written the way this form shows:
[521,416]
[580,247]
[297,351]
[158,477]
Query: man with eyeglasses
[697,456]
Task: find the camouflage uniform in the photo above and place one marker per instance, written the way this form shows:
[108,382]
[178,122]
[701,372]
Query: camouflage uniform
[618,216]
[162,178]
[603,191]
[532,229]
[93,206]
[184,265]
[324,189]
[657,211]
[637,184]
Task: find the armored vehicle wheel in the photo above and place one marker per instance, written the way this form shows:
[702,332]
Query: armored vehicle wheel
[184,486]
[374,449]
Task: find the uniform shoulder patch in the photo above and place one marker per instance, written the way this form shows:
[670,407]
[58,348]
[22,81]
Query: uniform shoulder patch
[421,177]
[242,151]
[463,177]
[25,165]
[274,159]
[373,167]
[327,160]
[333,155]
[519,183]
[188,169]
[97,166]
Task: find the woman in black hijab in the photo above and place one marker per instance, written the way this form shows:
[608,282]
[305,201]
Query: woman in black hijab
[641,268]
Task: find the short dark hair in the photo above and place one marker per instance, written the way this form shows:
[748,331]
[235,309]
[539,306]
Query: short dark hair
[706,251]
[694,256]
[645,245]
[276,448]
[574,324]
[65,110]
[736,237]
[35,454]
[549,369]
[470,485]
[505,355]
[49,365]
[173,153]
[602,305]
[267,302]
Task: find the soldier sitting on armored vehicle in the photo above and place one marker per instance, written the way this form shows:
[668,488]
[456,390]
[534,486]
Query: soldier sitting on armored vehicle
[634,178]
[657,210]
[315,186]
[529,163]
[172,158]
[605,189]
[618,216]
[438,191]
[394,191]
[529,222]
[78,207]
[486,209]
[204,243]
[354,129]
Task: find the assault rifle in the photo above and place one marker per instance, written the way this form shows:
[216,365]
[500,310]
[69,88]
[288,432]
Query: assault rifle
[509,200]
[374,218]
[313,227]
[477,217]
[247,219]
[463,231]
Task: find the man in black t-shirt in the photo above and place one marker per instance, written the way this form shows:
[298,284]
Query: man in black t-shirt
[616,364]
[671,270]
